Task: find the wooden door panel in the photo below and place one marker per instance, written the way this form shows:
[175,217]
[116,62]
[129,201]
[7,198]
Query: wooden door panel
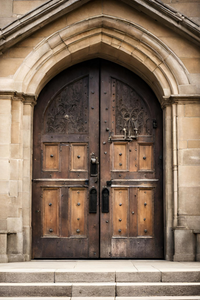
[145,212]
[120,209]
[51,157]
[50,212]
[145,157]
[120,157]
[79,157]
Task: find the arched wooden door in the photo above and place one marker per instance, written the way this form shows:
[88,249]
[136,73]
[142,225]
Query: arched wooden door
[97,166]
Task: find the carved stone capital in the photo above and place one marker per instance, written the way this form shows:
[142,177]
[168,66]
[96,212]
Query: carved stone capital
[180,99]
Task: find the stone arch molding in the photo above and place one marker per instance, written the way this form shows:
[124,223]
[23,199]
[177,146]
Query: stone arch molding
[106,37]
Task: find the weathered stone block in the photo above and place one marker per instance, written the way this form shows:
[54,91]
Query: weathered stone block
[14,224]
[194,144]
[189,157]
[138,276]
[68,276]
[35,290]
[184,241]
[3,243]
[22,7]
[6,8]
[189,176]
[93,289]
[192,110]
[9,66]
[189,200]
[5,151]
[5,169]
[26,276]
[13,188]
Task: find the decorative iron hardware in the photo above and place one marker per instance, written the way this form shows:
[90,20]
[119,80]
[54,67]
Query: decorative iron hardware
[50,230]
[105,152]
[144,219]
[86,182]
[93,165]
[132,212]
[155,125]
[144,157]
[120,164]
[107,129]
[106,221]
[120,230]
[78,230]
[104,143]
[145,204]
[50,204]
[51,155]
[37,211]
[145,230]
[105,200]
[120,204]
[78,204]
[120,154]
[93,201]
[120,220]
[109,183]
[78,219]
[78,156]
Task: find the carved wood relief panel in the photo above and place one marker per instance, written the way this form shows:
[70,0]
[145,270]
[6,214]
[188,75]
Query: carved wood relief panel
[67,112]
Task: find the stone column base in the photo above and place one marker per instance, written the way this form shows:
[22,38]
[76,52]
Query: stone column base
[184,242]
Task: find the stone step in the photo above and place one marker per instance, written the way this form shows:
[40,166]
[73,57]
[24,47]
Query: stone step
[51,276]
[145,289]
[106,298]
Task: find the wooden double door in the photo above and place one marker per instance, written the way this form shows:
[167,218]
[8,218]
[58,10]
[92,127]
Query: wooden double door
[97,166]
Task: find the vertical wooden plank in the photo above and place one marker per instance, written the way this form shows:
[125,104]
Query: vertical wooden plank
[64,157]
[145,212]
[77,211]
[51,199]
[120,212]
[145,157]
[64,213]
[133,211]
[133,156]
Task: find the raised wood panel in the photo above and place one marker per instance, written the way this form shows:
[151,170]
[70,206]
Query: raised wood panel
[145,157]
[51,157]
[119,156]
[79,157]
[51,199]
[145,212]
[78,211]
[120,212]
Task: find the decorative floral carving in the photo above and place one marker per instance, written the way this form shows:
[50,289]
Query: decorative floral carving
[68,111]
[131,111]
